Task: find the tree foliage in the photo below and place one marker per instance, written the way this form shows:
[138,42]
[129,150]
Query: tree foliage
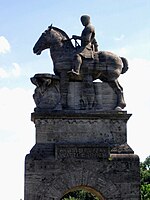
[79,195]
[145,179]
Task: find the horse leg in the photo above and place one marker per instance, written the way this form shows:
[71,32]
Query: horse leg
[64,82]
[119,91]
[88,93]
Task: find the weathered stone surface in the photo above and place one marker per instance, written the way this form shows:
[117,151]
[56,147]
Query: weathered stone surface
[105,97]
[73,150]
[47,95]
[101,127]
[114,178]
[47,91]
[82,151]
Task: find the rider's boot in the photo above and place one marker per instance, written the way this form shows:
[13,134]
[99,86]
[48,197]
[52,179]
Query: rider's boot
[77,65]
[75,72]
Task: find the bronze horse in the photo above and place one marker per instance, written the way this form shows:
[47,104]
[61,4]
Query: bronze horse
[105,66]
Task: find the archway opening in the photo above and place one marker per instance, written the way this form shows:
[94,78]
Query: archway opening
[82,193]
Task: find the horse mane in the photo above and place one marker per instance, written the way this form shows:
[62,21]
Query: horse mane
[61,31]
[67,42]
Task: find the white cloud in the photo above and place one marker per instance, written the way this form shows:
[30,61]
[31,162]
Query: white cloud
[141,64]
[18,103]
[17,135]
[136,83]
[14,71]
[3,73]
[133,49]
[123,51]
[4,45]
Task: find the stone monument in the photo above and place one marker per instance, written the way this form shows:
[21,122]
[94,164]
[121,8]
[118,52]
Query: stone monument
[81,127]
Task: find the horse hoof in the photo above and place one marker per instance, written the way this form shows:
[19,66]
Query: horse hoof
[118,108]
[74,76]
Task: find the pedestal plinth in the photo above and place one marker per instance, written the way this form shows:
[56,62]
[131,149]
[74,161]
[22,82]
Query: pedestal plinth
[81,150]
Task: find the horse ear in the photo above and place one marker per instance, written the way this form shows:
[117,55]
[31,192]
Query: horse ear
[50,27]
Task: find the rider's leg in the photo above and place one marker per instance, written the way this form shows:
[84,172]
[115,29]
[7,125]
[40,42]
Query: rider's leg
[77,64]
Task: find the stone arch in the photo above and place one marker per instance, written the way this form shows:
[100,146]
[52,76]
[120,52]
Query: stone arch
[84,179]
[87,189]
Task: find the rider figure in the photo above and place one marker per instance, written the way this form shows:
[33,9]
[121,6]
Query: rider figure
[88,44]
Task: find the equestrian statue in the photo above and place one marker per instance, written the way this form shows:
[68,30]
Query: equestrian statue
[82,62]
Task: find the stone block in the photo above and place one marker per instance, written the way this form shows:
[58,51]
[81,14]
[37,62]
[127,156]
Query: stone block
[64,174]
[100,127]
[79,95]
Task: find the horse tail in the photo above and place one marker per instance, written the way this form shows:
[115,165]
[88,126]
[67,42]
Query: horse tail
[125,65]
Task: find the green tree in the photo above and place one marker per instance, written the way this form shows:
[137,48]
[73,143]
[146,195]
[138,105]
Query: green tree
[145,179]
[79,195]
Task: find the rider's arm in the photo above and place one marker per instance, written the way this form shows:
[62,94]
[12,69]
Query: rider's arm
[75,37]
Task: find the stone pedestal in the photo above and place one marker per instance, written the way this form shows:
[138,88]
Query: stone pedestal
[81,151]
[47,95]
[81,146]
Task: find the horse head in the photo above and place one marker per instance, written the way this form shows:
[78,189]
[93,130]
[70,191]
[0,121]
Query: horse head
[51,38]
[43,42]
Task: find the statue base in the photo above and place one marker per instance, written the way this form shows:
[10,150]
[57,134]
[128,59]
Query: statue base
[77,96]
[81,151]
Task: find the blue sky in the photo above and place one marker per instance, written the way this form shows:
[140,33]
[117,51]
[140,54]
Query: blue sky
[122,27]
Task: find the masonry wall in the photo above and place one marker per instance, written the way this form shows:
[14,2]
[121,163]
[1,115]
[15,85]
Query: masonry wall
[74,150]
